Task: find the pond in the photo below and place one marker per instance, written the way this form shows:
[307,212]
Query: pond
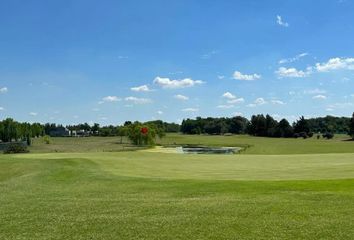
[207,150]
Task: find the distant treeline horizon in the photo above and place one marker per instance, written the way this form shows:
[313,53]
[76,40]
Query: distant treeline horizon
[258,125]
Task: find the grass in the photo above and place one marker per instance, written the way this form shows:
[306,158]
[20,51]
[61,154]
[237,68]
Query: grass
[89,188]
[253,145]
[140,195]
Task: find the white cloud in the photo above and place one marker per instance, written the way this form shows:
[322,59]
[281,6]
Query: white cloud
[4,90]
[258,102]
[2,109]
[236,100]
[292,72]
[228,95]
[277,102]
[335,64]
[136,100]
[329,109]
[293,59]
[281,22]
[183,83]
[319,97]
[221,77]
[143,88]
[190,110]
[225,106]
[159,112]
[33,113]
[110,99]
[181,97]
[239,76]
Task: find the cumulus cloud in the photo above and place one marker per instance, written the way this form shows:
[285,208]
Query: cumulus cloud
[181,97]
[3,90]
[110,99]
[245,77]
[33,113]
[136,100]
[221,77]
[258,102]
[336,64]
[281,22]
[293,59]
[182,83]
[319,97]
[228,95]
[292,73]
[231,99]
[2,109]
[236,100]
[143,88]
[159,112]
[190,110]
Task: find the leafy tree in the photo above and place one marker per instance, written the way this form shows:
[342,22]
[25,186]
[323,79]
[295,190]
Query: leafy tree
[143,134]
[122,132]
[351,127]
[301,126]
[283,129]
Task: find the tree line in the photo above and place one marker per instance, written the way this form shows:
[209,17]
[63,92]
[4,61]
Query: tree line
[258,125]
[267,126]
[11,130]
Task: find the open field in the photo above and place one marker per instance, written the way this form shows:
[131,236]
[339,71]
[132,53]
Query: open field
[141,195]
[89,188]
[254,145]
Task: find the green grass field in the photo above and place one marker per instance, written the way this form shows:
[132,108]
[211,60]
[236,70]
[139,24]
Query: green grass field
[91,189]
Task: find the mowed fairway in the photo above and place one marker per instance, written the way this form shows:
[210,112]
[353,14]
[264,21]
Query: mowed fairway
[144,195]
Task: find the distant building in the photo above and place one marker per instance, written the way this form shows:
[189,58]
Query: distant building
[60,132]
[81,133]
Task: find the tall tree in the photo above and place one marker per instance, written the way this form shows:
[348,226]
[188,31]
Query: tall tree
[351,127]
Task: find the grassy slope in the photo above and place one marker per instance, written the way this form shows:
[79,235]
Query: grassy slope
[258,145]
[95,196]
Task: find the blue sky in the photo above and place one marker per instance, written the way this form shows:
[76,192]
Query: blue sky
[111,61]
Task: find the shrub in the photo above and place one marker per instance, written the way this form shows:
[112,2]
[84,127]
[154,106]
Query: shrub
[328,135]
[46,139]
[16,148]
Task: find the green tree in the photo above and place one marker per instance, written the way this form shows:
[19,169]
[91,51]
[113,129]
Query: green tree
[143,134]
[351,127]
[122,132]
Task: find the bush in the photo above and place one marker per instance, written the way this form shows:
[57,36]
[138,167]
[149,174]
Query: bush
[328,135]
[15,148]
[301,134]
[46,139]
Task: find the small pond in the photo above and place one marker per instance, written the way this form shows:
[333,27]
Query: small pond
[207,150]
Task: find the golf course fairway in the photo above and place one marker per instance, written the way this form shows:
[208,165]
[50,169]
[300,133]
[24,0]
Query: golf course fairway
[145,195]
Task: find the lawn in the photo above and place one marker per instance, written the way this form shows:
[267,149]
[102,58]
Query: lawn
[252,145]
[144,195]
